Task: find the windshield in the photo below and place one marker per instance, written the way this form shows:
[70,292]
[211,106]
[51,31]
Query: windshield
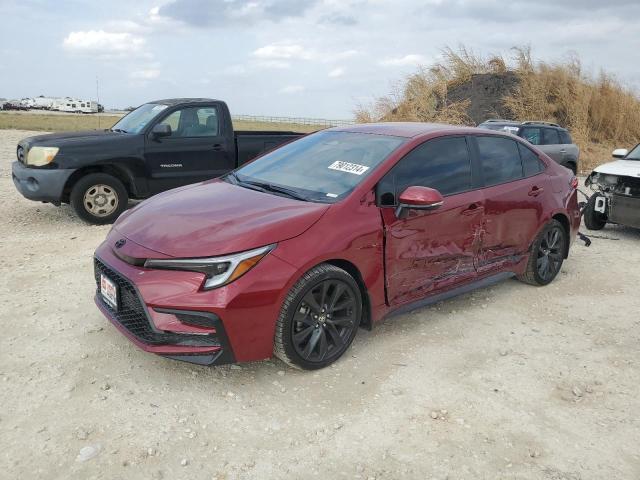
[634,154]
[136,120]
[323,167]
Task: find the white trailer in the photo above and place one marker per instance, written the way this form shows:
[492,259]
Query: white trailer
[76,105]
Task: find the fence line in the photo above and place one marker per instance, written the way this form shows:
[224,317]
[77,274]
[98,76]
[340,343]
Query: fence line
[324,122]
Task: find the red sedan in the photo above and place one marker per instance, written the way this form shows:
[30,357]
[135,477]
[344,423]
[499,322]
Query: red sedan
[291,253]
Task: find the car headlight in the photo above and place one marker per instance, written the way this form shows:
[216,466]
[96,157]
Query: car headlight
[39,156]
[218,271]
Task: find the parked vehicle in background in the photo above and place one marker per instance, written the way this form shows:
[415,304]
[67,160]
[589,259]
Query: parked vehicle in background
[616,187]
[159,146]
[74,105]
[550,138]
[291,253]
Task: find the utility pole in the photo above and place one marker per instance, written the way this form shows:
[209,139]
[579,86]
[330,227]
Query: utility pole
[98,100]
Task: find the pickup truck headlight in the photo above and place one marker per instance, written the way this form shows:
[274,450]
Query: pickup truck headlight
[40,156]
[219,271]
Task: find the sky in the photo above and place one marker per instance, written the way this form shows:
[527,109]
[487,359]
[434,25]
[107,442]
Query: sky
[313,58]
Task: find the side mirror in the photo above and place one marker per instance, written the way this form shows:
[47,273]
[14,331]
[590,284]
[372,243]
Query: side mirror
[161,130]
[419,198]
[620,153]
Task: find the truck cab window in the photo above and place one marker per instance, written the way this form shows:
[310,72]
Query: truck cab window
[193,122]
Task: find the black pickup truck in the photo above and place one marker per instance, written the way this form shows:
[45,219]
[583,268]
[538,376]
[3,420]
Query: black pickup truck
[158,146]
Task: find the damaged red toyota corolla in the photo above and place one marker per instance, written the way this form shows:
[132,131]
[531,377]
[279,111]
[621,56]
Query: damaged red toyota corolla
[291,253]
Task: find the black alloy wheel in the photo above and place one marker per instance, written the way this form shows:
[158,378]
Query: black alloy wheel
[319,319]
[548,252]
[324,321]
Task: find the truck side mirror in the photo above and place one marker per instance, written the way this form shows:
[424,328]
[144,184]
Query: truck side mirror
[419,198]
[161,130]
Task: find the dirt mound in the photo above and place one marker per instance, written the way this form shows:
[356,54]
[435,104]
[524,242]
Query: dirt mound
[485,93]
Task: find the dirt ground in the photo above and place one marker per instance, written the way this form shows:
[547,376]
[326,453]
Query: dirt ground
[510,382]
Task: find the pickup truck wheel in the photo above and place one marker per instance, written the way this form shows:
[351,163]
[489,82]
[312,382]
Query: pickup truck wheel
[593,219]
[99,198]
[319,318]
[547,255]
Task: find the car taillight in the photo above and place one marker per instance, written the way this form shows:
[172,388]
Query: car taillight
[574,183]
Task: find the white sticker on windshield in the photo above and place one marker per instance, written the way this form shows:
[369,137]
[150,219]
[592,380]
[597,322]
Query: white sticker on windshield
[332,195]
[158,108]
[348,167]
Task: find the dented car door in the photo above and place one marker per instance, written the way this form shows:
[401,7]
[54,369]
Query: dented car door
[426,251]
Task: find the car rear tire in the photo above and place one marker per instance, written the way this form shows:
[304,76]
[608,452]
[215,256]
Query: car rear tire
[547,255]
[319,318]
[593,219]
[99,198]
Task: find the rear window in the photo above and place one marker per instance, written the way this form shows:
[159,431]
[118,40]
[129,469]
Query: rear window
[500,160]
[531,164]
[550,136]
[565,138]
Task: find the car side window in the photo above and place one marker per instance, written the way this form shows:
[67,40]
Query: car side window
[442,163]
[532,135]
[531,164]
[193,122]
[565,138]
[550,136]
[500,160]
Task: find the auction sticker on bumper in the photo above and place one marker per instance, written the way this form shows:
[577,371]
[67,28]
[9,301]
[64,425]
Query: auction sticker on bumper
[348,167]
[109,291]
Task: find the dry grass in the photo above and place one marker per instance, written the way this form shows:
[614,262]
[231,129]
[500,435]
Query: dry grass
[600,112]
[70,122]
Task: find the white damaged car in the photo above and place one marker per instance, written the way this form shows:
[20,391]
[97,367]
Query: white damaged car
[616,187]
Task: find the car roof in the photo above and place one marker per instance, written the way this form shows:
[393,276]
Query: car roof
[406,129]
[176,101]
[513,123]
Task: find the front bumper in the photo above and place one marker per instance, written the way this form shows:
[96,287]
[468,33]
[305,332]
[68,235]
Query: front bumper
[166,312]
[40,184]
[205,344]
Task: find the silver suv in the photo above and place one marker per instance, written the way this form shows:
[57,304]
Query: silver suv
[551,138]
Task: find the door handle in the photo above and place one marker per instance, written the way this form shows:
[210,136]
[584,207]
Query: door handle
[471,209]
[217,147]
[535,191]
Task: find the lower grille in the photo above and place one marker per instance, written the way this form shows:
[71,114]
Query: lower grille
[131,313]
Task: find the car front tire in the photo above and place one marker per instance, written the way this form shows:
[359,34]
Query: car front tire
[319,318]
[99,198]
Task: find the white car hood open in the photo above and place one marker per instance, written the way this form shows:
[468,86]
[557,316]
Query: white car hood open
[626,168]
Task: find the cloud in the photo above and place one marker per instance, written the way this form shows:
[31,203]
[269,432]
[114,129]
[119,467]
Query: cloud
[336,72]
[410,60]
[282,52]
[104,44]
[338,19]
[221,13]
[145,74]
[290,89]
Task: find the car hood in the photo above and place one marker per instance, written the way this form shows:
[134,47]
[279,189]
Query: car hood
[627,168]
[70,138]
[215,218]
